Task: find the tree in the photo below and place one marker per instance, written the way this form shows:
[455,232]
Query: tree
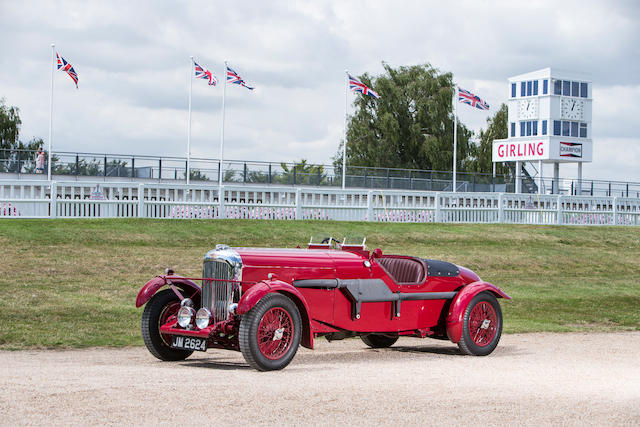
[9,126]
[229,174]
[304,173]
[13,152]
[198,175]
[482,152]
[409,126]
[83,167]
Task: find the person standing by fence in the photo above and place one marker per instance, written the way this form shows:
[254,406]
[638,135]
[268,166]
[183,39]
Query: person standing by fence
[40,161]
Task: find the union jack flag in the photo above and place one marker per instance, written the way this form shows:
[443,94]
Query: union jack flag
[357,86]
[203,73]
[469,98]
[65,66]
[233,77]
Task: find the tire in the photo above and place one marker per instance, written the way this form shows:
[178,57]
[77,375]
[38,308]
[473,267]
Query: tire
[477,340]
[270,333]
[159,308]
[378,340]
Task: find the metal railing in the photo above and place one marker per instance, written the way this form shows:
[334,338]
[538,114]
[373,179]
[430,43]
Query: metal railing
[41,199]
[140,168]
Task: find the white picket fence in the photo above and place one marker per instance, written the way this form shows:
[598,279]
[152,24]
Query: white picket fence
[25,199]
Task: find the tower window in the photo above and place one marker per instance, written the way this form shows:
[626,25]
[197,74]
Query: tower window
[583,130]
[574,129]
[583,90]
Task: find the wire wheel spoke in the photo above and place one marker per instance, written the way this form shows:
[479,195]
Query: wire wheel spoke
[167,312]
[275,333]
[482,323]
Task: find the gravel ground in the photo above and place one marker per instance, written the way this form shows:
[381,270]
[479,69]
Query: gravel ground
[590,378]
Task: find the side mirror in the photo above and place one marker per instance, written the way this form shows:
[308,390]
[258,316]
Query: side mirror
[377,253]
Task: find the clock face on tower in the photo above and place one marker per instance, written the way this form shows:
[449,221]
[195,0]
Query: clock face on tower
[572,109]
[528,109]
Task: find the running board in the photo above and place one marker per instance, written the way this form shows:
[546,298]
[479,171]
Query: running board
[371,290]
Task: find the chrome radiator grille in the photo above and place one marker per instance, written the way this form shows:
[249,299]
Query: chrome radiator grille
[217,295]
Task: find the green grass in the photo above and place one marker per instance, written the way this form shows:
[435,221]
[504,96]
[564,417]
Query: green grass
[73,283]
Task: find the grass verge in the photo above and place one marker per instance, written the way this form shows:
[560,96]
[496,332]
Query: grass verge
[73,283]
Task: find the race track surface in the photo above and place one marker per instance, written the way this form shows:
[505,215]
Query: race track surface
[590,378]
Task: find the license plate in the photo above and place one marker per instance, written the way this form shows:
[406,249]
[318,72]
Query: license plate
[189,343]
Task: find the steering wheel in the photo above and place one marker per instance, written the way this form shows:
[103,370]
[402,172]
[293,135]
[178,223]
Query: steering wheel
[329,239]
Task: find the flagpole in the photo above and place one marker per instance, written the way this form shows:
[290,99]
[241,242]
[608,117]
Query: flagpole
[455,135]
[344,144]
[53,66]
[224,94]
[189,125]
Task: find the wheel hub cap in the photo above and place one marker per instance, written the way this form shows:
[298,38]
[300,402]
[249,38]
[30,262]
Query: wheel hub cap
[277,334]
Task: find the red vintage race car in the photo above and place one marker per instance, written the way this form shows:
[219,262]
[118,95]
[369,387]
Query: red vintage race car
[266,302]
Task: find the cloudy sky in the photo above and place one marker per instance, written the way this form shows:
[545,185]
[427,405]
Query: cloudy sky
[132,58]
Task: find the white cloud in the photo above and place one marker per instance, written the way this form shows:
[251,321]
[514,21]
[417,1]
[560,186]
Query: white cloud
[132,59]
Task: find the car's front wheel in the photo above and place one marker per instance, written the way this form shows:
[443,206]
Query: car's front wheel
[160,307]
[270,333]
[378,340]
[482,325]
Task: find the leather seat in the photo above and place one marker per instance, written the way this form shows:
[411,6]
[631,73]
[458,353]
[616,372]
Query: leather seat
[403,270]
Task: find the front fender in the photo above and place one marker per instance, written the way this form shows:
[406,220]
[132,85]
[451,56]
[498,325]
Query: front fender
[259,290]
[459,304]
[152,286]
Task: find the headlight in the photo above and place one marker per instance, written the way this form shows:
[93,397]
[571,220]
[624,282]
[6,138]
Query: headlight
[232,308]
[202,318]
[185,315]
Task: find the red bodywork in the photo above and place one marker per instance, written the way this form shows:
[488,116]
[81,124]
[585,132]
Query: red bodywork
[151,287]
[317,281]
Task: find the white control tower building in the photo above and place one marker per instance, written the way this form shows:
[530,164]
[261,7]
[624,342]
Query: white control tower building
[549,122]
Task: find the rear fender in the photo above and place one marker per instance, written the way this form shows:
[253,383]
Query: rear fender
[461,301]
[258,291]
[153,285]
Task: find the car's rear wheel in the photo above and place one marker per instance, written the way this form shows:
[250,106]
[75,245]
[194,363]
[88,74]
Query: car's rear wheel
[158,310]
[482,325]
[378,340]
[270,333]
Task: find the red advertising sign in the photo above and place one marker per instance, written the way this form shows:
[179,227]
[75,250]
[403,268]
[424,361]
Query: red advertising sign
[520,150]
